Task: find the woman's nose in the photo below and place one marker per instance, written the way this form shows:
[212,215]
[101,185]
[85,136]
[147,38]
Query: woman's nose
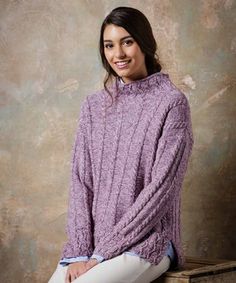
[119,52]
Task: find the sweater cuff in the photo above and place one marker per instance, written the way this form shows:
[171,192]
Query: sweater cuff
[98,257]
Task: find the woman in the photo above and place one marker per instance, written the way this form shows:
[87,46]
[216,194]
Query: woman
[130,156]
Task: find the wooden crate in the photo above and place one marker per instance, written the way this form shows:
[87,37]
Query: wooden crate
[200,270]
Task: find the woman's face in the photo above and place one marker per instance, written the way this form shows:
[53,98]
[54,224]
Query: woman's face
[123,54]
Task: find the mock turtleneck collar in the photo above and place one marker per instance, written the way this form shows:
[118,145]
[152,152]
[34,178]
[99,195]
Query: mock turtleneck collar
[141,84]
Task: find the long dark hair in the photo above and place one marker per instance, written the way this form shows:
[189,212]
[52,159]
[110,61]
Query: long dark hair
[138,26]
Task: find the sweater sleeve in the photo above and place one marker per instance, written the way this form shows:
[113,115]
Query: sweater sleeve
[79,226]
[155,199]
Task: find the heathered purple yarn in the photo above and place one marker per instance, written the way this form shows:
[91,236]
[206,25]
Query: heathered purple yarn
[128,167]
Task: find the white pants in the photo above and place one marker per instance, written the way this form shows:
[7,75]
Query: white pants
[124,268]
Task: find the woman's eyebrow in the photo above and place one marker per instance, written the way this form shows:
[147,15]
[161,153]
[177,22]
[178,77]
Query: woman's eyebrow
[125,37]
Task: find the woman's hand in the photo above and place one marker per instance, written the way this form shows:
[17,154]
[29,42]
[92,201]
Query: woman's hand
[78,268]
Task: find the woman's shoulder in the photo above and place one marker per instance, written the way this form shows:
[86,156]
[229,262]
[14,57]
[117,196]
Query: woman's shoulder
[172,94]
[95,97]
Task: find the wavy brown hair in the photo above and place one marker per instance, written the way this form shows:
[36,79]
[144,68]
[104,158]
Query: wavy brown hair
[138,26]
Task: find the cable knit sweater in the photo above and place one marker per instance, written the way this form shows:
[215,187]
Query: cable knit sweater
[128,166]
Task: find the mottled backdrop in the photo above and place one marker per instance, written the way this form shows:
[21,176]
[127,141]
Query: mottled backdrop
[49,63]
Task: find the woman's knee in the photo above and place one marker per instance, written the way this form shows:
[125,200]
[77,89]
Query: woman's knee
[59,274]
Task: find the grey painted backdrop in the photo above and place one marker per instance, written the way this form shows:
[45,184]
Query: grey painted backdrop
[49,63]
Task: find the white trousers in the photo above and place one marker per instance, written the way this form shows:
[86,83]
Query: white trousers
[124,268]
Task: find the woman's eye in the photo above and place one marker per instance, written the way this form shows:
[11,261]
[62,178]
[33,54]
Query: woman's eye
[108,46]
[128,42]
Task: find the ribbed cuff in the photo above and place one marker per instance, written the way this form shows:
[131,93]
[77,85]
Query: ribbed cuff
[98,257]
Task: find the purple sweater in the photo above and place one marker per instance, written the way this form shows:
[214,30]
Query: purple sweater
[128,166]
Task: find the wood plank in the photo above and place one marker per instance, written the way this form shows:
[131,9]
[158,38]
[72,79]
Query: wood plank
[211,269]
[199,269]
[228,277]
[170,280]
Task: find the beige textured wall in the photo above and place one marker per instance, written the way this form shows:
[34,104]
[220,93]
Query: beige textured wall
[49,63]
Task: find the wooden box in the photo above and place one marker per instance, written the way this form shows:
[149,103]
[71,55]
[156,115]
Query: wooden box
[200,270]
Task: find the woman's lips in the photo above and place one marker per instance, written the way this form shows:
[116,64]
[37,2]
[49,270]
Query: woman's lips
[122,64]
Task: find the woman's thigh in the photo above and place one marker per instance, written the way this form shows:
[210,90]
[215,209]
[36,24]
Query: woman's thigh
[154,271]
[124,268]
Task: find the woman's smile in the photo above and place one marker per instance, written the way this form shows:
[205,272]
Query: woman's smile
[122,64]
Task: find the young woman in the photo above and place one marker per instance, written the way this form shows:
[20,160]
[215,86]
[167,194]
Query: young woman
[130,155]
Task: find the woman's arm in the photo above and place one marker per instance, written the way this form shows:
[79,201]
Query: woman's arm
[79,220]
[173,151]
